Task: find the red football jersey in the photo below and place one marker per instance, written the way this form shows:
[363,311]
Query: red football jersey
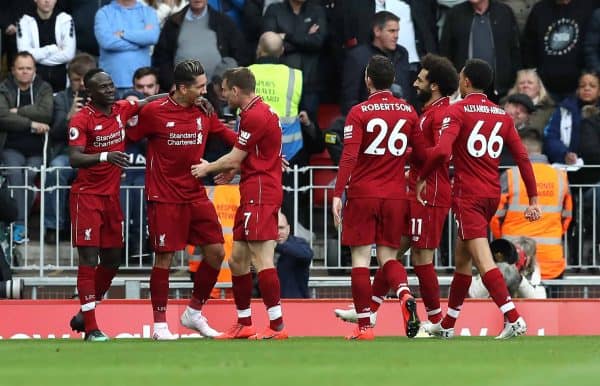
[475,131]
[260,136]
[176,140]
[98,132]
[377,134]
[438,190]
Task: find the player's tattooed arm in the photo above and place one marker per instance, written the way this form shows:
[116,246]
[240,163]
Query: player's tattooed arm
[143,102]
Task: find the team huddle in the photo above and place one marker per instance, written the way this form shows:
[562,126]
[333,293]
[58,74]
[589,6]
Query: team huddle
[380,210]
[382,205]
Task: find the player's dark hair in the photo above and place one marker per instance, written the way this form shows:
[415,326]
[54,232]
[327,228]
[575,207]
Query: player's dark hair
[480,73]
[381,18]
[441,71]
[381,71]
[90,74]
[23,54]
[240,77]
[186,72]
[144,71]
[82,63]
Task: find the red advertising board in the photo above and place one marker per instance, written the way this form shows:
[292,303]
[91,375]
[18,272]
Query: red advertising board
[43,319]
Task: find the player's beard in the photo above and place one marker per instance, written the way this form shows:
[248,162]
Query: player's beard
[424,95]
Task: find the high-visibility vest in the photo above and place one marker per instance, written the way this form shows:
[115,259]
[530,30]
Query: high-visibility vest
[226,199]
[280,87]
[554,198]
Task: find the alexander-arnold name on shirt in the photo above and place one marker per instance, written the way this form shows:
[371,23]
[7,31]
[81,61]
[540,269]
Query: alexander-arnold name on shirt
[483,109]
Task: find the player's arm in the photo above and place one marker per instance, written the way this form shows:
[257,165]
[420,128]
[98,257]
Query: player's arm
[79,159]
[418,154]
[496,222]
[352,140]
[143,102]
[230,161]
[222,131]
[516,148]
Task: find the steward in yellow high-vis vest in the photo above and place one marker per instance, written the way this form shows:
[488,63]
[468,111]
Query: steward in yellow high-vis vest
[280,87]
[555,201]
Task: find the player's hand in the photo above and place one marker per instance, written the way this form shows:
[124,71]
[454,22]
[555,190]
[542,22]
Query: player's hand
[533,212]
[304,119]
[200,170]
[225,177]
[205,106]
[118,158]
[336,209]
[570,158]
[419,188]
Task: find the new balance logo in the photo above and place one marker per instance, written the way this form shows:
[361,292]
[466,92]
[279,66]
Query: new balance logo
[88,234]
[170,124]
[98,127]
[348,132]
[244,137]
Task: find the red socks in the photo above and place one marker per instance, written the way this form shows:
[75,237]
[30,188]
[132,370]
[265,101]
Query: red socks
[395,275]
[159,293]
[242,293]
[204,281]
[495,284]
[458,292]
[380,289]
[104,276]
[268,282]
[430,291]
[361,294]
[87,295]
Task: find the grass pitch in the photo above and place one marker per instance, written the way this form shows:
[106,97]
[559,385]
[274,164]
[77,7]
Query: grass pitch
[526,361]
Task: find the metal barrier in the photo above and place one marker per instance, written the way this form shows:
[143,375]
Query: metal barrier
[310,201]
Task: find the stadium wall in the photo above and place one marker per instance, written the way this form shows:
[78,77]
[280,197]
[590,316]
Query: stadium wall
[43,319]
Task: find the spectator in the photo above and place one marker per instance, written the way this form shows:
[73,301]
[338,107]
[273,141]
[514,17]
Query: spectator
[484,29]
[66,104]
[25,113]
[528,82]
[165,8]
[293,256]
[530,269]
[181,34]
[519,107]
[83,13]
[554,199]
[12,11]
[50,37]
[125,30]
[521,9]
[592,43]
[561,136]
[303,27]
[385,29]
[553,42]
[231,8]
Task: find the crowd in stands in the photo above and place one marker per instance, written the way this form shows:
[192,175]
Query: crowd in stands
[545,55]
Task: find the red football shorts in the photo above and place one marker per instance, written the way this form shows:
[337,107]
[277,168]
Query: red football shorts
[473,215]
[373,221]
[173,226]
[405,217]
[256,222]
[426,225]
[96,221]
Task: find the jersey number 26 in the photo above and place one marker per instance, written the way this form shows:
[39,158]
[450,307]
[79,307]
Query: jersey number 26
[396,135]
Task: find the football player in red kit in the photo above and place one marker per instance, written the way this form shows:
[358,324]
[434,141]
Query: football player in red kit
[474,132]
[377,134]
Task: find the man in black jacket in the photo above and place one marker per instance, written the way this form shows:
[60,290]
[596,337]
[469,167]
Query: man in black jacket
[303,27]
[188,35]
[484,29]
[385,35]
